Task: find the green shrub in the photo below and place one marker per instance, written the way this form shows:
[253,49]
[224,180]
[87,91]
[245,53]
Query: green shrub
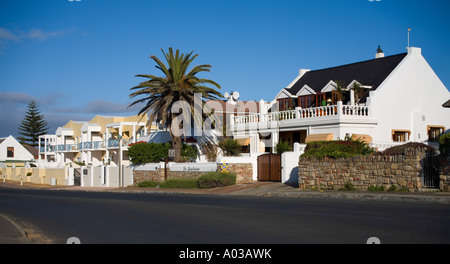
[375,188]
[393,188]
[337,149]
[444,144]
[147,184]
[180,183]
[216,179]
[348,187]
[188,152]
[142,153]
[400,149]
[282,146]
[207,180]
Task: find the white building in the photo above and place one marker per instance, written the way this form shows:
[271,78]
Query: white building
[386,100]
[11,151]
[95,142]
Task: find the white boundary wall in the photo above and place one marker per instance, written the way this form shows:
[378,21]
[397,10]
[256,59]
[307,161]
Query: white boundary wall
[289,163]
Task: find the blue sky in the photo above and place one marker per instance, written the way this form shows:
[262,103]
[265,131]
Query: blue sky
[77,59]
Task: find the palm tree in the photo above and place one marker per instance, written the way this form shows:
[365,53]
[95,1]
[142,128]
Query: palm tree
[358,91]
[176,85]
[339,89]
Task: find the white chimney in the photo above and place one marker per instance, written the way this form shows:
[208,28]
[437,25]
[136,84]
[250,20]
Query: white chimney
[380,53]
[301,72]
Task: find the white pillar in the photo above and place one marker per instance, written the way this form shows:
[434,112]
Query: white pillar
[352,97]
[39,146]
[254,143]
[275,138]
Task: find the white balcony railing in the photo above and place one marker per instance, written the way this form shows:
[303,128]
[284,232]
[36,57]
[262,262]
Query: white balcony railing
[298,113]
[90,145]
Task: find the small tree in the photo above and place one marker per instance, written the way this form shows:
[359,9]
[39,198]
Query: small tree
[188,153]
[282,146]
[230,147]
[33,125]
[210,151]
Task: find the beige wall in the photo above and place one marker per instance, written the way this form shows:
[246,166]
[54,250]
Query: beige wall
[38,175]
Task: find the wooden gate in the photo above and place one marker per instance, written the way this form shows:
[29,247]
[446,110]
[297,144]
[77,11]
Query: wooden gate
[269,167]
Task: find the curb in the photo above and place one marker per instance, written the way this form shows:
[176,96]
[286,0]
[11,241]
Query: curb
[270,190]
[363,196]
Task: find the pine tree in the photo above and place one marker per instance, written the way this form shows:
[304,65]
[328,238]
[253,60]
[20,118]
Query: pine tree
[33,125]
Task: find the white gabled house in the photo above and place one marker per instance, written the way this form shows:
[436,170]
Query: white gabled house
[11,151]
[384,101]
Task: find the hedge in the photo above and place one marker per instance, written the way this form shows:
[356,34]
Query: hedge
[337,149]
[216,179]
[207,180]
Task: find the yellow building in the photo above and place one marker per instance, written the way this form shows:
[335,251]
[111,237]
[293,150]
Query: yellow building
[93,142]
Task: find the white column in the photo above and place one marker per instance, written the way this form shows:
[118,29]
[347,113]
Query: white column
[352,97]
[120,129]
[254,143]
[275,138]
[39,146]
[339,108]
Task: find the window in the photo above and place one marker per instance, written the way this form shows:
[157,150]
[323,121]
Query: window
[400,135]
[306,101]
[10,152]
[284,104]
[434,132]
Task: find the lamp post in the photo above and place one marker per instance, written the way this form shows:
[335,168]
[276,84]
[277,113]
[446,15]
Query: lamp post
[120,161]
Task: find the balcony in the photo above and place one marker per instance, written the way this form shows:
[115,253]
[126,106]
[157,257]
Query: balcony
[304,117]
[114,143]
[48,148]
[90,145]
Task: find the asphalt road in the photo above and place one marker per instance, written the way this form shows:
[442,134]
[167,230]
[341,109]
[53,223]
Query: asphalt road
[107,217]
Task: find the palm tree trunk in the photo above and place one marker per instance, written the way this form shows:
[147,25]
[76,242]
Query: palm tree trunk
[176,140]
[176,144]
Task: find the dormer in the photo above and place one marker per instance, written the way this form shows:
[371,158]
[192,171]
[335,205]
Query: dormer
[329,87]
[306,90]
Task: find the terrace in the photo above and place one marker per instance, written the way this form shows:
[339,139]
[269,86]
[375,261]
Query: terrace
[300,117]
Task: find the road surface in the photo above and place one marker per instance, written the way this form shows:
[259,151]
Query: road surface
[109,217]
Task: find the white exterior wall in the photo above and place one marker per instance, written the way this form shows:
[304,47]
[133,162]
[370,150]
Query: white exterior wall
[20,153]
[410,98]
[289,163]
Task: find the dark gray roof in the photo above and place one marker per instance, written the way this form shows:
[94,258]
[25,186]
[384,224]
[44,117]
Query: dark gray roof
[370,73]
[446,104]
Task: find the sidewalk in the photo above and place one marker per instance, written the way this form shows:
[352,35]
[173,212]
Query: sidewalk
[283,190]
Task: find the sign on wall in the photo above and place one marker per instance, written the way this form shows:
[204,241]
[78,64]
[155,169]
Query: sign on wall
[193,166]
[224,167]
